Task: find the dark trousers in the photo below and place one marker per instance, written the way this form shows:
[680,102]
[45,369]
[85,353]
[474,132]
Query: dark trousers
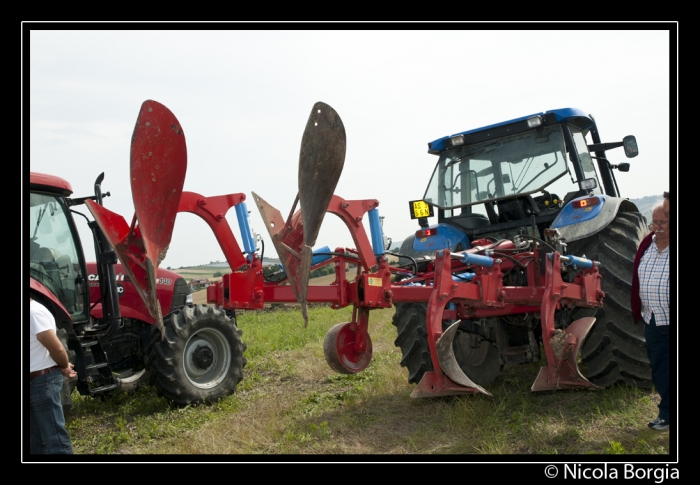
[658,348]
[47,432]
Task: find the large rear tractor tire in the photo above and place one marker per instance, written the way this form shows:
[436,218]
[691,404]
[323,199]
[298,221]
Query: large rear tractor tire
[614,351]
[201,358]
[478,358]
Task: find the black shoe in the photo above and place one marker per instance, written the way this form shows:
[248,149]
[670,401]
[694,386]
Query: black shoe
[659,424]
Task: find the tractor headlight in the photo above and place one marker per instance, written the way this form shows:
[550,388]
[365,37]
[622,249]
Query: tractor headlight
[534,122]
[588,184]
[456,141]
[188,299]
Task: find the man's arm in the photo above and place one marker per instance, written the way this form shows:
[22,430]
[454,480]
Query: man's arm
[49,340]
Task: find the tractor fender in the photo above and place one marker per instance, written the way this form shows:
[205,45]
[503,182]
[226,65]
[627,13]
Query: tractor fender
[59,311]
[579,223]
[446,237]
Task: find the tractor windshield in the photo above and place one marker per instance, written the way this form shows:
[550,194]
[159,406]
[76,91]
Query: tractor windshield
[53,256]
[515,165]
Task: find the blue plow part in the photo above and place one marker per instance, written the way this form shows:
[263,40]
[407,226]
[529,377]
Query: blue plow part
[574,261]
[246,232]
[320,255]
[375,228]
[463,277]
[475,259]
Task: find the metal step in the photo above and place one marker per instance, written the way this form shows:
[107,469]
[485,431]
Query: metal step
[105,388]
[97,373]
[99,365]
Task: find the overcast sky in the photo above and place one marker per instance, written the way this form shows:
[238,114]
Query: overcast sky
[243,98]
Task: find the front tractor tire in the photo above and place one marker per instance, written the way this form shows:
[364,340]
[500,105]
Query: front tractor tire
[614,351]
[201,358]
[478,358]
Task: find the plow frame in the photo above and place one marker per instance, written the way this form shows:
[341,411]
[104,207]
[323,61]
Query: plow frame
[448,300]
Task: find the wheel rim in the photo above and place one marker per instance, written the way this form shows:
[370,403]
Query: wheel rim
[207,358]
[341,353]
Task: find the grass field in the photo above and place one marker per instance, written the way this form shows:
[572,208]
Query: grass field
[291,404]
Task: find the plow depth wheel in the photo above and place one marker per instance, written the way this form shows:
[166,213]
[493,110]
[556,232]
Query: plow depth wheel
[342,353]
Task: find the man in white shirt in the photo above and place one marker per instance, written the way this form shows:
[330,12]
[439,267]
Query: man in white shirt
[48,363]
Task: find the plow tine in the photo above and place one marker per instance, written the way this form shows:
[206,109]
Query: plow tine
[564,373]
[306,256]
[158,167]
[448,362]
[321,160]
[128,246]
[282,235]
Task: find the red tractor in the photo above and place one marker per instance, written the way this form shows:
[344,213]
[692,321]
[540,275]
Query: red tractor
[461,290]
[101,318]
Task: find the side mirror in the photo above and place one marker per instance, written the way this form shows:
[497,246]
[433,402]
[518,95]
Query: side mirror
[631,149]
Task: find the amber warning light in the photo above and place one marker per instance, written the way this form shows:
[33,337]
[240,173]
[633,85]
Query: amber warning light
[591,201]
[420,209]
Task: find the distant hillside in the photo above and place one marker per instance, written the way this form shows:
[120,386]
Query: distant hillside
[647,204]
[223,264]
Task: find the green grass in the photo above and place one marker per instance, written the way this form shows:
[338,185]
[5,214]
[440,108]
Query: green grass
[291,403]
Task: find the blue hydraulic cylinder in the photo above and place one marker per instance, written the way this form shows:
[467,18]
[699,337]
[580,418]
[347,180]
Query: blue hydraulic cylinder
[463,277]
[475,259]
[375,228]
[575,261]
[246,232]
[321,257]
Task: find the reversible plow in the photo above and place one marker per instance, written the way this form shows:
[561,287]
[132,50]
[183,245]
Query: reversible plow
[459,289]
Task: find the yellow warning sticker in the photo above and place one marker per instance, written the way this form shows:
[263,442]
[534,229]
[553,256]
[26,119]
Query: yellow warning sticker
[374,281]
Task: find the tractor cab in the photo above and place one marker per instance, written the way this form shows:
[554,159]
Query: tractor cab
[515,177]
[57,267]
[55,254]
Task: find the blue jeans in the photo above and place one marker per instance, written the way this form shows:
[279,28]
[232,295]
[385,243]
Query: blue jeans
[658,349]
[47,430]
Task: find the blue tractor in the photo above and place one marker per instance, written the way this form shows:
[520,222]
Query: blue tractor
[545,178]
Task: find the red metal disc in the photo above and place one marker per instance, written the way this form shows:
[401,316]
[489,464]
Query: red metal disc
[158,167]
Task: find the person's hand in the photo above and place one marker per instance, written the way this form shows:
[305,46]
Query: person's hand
[68,371]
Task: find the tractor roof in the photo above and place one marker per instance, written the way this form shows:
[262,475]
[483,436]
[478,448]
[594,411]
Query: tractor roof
[50,183]
[560,115]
